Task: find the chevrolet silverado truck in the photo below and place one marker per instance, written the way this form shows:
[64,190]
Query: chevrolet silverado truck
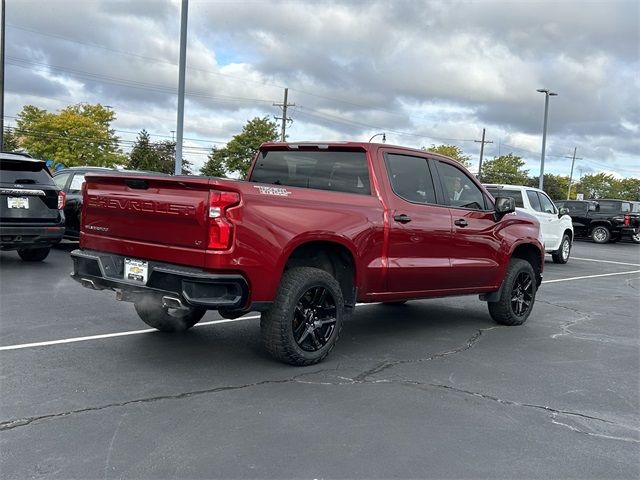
[604,220]
[312,231]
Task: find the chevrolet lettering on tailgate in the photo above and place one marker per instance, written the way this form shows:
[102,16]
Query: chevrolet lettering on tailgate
[134,205]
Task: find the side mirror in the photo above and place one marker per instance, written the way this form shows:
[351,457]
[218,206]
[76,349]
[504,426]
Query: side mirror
[564,211]
[505,205]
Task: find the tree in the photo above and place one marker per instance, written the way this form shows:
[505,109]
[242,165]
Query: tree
[155,156]
[556,186]
[507,169]
[235,158]
[77,135]
[598,185]
[214,167]
[627,189]
[451,151]
[10,142]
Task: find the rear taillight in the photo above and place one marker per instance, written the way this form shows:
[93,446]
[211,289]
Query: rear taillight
[627,220]
[220,228]
[62,199]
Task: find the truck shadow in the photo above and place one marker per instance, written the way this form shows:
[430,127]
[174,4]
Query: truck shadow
[372,331]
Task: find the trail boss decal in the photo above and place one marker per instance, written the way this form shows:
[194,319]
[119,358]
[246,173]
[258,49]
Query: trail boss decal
[277,191]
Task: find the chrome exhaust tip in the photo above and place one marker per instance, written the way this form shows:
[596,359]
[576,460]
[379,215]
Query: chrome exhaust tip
[172,302]
[87,283]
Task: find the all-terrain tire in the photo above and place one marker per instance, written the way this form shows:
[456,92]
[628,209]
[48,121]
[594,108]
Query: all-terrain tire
[562,254]
[34,254]
[154,314]
[517,295]
[304,323]
[600,234]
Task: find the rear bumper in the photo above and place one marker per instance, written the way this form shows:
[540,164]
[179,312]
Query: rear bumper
[629,231]
[192,286]
[14,236]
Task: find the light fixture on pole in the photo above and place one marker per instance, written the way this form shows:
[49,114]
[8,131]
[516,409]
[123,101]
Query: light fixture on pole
[384,137]
[547,94]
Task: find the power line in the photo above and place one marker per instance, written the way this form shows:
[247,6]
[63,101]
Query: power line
[157,135]
[23,63]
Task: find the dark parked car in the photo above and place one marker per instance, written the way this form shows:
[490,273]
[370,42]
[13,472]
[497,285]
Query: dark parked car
[70,181]
[604,220]
[31,217]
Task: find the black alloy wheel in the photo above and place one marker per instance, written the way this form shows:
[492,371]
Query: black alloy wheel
[517,294]
[522,294]
[304,322]
[314,319]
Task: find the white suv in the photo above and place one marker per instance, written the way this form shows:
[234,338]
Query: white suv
[555,225]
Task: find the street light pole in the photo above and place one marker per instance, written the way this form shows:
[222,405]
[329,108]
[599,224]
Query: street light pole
[2,37]
[547,94]
[181,84]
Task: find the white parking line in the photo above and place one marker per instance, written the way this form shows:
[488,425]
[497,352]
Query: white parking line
[251,317]
[112,335]
[605,261]
[590,276]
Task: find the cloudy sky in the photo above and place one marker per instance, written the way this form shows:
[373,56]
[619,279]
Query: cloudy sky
[423,72]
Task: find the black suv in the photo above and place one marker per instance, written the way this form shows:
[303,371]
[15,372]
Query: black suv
[31,216]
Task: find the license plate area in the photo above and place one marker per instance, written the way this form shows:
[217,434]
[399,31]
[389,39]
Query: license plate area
[18,202]
[136,270]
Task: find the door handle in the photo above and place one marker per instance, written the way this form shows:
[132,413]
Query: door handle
[402,218]
[461,222]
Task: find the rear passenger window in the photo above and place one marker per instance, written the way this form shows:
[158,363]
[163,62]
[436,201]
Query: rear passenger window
[546,203]
[61,180]
[515,194]
[76,183]
[534,200]
[341,171]
[410,178]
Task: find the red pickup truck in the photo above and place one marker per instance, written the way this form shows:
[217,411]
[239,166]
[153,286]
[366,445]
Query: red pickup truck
[313,230]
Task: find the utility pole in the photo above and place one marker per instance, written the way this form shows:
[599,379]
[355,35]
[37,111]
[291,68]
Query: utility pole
[284,119]
[2,35]
[573,161]
[481,142]
[181,81]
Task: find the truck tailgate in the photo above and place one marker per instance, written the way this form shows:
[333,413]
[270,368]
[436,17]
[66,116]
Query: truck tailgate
[140,216]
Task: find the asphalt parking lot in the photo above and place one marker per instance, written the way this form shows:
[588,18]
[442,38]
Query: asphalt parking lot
[431,389]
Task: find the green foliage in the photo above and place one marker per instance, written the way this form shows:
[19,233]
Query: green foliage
[556,186]
[77,135]
[235,158]
[451,151]
[599,185]
[10,142]
[215,166]
[155,156]
[626,189]
[508,169]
